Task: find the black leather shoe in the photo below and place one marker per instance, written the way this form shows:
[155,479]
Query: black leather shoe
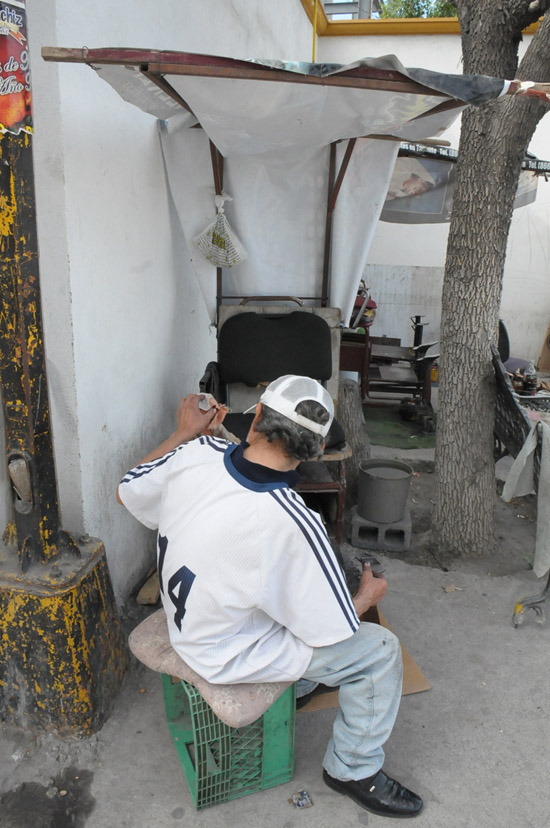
[379,794]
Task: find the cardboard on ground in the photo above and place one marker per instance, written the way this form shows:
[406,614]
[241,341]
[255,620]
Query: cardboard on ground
[414,680]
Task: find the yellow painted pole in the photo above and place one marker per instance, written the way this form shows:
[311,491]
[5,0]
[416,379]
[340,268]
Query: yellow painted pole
[62,653]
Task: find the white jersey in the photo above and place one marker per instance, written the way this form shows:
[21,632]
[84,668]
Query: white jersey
[249,581]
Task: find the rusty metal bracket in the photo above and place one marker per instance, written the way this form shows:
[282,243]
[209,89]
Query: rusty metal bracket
[334,186]
[217,170]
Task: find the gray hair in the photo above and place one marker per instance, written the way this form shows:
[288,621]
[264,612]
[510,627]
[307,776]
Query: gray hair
[298,442]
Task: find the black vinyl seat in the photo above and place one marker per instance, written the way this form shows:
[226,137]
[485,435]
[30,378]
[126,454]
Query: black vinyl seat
[256,348]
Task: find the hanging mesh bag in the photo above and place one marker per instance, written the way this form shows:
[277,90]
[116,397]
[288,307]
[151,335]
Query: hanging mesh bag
[218,243]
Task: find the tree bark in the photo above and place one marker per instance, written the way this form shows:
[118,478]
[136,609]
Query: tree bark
[493,142]
[350,415]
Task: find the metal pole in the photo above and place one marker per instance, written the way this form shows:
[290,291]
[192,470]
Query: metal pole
[62,657]
[314,45]
[23,379]
[365,9]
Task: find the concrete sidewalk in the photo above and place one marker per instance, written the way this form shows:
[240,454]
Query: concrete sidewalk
[476,746]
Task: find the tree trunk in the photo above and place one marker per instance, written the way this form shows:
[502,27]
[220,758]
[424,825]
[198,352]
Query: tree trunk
[493,142]
[350,415]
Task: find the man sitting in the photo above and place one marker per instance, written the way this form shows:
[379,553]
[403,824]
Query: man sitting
[250,584]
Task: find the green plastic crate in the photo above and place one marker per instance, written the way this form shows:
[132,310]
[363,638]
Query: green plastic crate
[220,762]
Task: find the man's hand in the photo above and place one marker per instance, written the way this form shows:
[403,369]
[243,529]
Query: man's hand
[192,422]
[215,427]
[371,590]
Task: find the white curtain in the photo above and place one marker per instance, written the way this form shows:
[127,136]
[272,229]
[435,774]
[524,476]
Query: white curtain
[279,213]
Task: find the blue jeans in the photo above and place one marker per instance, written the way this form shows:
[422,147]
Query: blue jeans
[368,670]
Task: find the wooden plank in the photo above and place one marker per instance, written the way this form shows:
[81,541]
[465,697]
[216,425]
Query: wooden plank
[395,352]
[284,76]
[328,225]
[341,173]
[397,373]
[185,63]
[150,591]
[163,84]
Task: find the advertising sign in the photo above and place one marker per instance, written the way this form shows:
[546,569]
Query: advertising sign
[15,78]
[421,190]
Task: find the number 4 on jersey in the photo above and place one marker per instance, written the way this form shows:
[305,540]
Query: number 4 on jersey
[184,577]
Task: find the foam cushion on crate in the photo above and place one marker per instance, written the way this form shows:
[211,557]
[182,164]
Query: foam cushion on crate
[235,704]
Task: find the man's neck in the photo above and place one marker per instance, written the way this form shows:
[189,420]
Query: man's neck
[271,455]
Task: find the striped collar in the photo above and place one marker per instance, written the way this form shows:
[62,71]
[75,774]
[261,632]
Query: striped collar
[254,475]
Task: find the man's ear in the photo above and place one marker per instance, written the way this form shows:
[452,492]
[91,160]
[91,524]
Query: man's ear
[257,416]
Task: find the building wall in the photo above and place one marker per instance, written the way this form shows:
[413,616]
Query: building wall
[125,329]
[406,263]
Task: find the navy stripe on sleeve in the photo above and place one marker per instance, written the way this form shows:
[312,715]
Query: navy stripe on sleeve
[315,525]
[325,556]
[145,468]
[215,443]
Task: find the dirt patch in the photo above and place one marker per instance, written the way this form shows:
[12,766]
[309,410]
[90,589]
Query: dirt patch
[65,803]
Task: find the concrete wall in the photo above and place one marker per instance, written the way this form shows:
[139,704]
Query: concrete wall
[125,329]
[406,262]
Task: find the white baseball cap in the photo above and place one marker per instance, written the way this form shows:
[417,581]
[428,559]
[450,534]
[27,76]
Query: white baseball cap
[284,394]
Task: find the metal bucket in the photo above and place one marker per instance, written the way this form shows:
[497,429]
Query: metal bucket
[383,490]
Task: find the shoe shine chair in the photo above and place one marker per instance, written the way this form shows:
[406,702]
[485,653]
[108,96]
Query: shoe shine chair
[234,740]
[231,740]
[256,345]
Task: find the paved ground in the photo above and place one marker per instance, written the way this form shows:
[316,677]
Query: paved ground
[476,746]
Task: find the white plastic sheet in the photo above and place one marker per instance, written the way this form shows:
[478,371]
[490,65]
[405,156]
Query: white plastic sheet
[275,137]
[249,117]
[520,481]
[279,213]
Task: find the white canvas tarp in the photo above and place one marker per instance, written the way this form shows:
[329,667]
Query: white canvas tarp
[273,123]
[279,213]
